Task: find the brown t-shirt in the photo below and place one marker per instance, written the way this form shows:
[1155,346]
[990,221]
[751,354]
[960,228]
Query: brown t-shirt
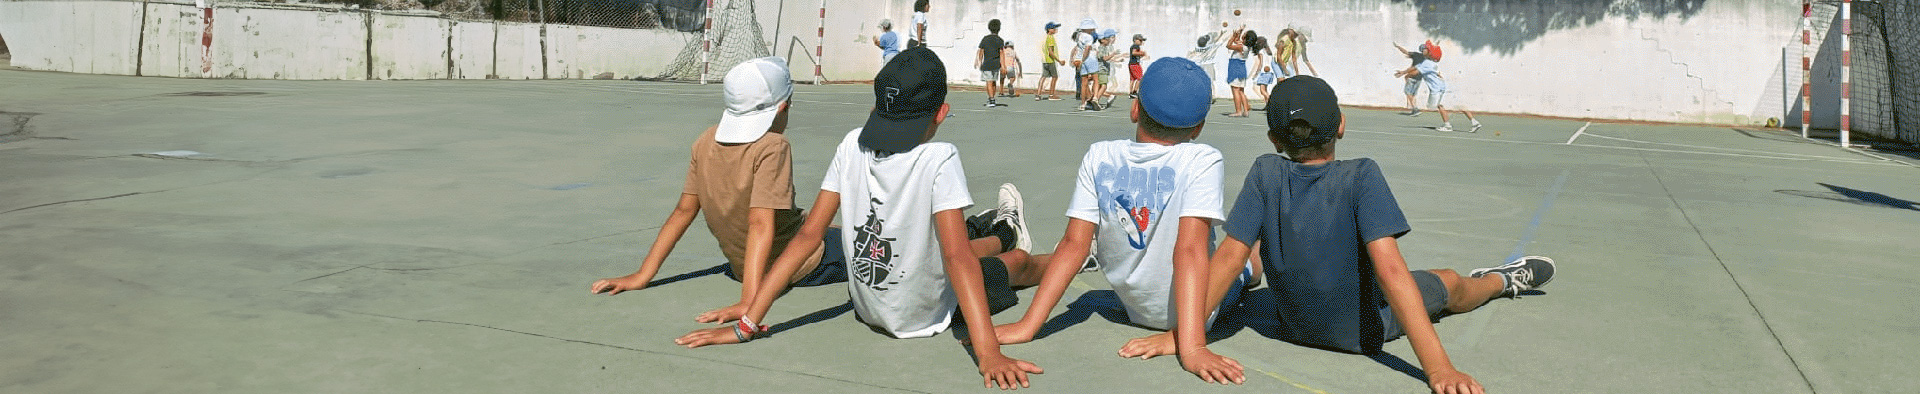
[730,179]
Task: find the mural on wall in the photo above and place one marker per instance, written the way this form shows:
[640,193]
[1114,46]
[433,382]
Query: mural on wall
[1505,26]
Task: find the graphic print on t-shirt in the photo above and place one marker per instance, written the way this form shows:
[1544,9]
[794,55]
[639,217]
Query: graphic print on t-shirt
[872,254]
[1136,196]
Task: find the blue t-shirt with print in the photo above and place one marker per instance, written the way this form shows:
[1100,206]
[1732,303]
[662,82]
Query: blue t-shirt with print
[1313,223]
[889,45]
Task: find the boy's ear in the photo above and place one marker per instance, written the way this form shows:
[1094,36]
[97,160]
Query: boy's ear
[941,116]
[1135,113]
[1342,133]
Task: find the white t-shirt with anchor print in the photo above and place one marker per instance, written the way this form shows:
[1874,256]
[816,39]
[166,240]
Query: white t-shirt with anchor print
[896,275]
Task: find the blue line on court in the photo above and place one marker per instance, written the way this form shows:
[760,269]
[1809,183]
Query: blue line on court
[1533,227]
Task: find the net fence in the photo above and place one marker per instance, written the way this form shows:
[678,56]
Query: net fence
[1886,55]
[1886,69]
[734,38]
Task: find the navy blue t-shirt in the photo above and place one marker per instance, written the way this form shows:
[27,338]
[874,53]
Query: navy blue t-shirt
[1313,223]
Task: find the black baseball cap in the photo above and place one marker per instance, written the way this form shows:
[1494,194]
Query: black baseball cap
[907,95]
[1304,97]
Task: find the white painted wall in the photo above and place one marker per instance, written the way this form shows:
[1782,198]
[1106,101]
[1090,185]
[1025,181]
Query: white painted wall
[85,37]
[172,43]
[473,51]
[1716,65]
[518,51]
[410,46]
[585,51]
[273,43]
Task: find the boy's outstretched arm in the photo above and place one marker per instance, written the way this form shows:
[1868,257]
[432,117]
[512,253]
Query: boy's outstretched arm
[1073,249]
[798,250]
[1191,286]
[1403,297]
[677,222]
[753,270]
[969,286]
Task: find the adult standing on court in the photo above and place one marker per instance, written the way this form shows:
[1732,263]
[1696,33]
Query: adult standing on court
[888,41]
[987,59]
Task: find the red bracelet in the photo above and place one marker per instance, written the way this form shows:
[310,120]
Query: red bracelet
[746,330]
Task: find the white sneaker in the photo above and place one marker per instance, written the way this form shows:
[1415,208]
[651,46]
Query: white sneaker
[1475,129]
[1013,211]
[1444,127]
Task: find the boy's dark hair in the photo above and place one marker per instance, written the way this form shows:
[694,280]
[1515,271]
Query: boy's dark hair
[993,26]
[920,6]
[1249,38]
[1161,131]
[1300,129]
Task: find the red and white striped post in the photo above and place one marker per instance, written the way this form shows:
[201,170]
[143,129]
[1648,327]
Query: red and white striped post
[1846,73]
[706,42]
[820,49]
[206,40]
[1806,66]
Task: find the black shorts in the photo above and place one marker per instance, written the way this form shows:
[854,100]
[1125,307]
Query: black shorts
[1433,293]
[998,284]
[832,268]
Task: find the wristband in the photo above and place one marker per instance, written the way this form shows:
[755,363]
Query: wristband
[745,330]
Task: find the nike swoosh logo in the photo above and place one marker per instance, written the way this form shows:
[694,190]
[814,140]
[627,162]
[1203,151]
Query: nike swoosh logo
[1291,113]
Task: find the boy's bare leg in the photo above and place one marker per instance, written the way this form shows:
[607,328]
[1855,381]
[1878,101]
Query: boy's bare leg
[1464,294]
[1024,270]
[985,246]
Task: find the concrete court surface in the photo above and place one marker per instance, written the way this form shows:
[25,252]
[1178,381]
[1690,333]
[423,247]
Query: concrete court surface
[439,236]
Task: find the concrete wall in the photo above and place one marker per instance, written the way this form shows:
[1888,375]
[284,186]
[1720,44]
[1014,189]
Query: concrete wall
[1659,60]
[412,47]
[316,42]
[583,52]
[274,43]
[97,38]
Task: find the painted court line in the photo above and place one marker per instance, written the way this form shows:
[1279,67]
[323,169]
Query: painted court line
[1577,133]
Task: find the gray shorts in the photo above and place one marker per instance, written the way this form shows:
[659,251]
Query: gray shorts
[1433,98]
[1433,293]
[1413,86]
[989,75]
[1049,70]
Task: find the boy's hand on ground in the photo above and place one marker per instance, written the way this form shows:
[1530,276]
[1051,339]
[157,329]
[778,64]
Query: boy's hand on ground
[1453,382]
[1147,347]
[1007,371]
[612,286]
[723,315]
[712,336]
[1213,368]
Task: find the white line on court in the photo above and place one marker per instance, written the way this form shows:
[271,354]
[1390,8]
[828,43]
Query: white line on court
[1577,133]
[1629,148]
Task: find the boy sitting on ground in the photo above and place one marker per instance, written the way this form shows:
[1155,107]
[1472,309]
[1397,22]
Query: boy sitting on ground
[1327,232]
[1150,204]
[916,258]
[741,175]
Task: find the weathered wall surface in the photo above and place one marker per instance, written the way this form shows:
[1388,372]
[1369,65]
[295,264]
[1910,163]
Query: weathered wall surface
[1657,60]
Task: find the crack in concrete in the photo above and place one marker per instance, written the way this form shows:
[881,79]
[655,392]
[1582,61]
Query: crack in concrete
[80,200]
[585,342]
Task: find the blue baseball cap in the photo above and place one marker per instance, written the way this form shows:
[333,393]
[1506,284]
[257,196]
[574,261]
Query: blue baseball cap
[1176,92]
[1052,25]
[1307,98]
[1109,32]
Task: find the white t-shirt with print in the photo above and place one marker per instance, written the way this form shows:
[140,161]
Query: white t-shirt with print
[896,274]
[1128,188]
